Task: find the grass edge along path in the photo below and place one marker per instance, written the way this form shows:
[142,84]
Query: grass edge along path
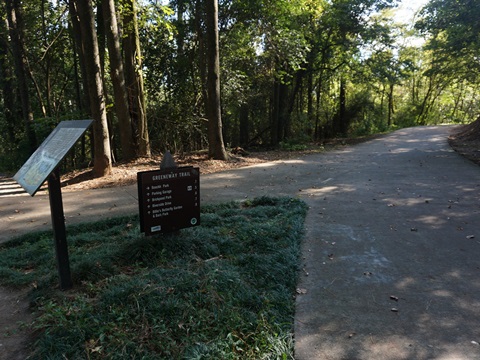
[222,290]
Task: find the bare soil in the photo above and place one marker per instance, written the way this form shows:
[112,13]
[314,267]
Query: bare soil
[125,173]
[15,338]
[466,141]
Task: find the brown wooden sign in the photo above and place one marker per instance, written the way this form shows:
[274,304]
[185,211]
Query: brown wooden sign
[168,199]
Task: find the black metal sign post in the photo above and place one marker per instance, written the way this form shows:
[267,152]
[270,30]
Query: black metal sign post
[59,231]
[43,165]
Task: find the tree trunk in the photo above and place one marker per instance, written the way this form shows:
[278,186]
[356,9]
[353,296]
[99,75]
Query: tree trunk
[216,148]
[342,112]
[275,114]
[102,50]
[6,85]
[279,120]
[15,20]
[390,104]
[244,112]
[202,63]
[102,162]
[82,97]
[134,78]
[118,79]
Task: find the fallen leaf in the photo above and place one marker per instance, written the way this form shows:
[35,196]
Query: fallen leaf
[394,310]
[475,343]
[470,236]
[301,291]
[393,297]
[413,229]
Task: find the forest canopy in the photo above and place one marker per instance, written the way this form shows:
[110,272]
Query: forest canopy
[289,72]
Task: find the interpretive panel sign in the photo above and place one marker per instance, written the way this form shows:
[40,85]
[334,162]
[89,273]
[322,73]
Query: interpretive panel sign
[49,154]
[168,199]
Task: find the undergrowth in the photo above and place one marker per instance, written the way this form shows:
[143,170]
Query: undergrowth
[222,290]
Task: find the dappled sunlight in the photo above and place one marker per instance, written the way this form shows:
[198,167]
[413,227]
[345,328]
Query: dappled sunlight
[406,283]
[297,161]
[397,346]
[454,274]
[400,150]
[395,267]
[442,293]
[227,176]
[328,190]
[469,305]
[430,320]
[431,220]
[277,163]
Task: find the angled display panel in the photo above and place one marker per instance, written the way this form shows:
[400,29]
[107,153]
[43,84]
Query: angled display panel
[49,154]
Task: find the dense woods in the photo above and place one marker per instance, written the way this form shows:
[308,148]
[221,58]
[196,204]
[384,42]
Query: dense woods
[186,75]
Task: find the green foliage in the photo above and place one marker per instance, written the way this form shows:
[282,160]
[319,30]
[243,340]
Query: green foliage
[223,290]
[293,145]
[307,47]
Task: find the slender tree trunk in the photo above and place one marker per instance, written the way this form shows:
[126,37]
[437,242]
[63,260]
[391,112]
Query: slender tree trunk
[47,109]
[342,112]
[118,79]
[202,63]
[83,102]
[244,111]
[6,86]
[102,50]
[390,104]
[16,26]
[310,115]
[319,130]
[275,114]
[216,147]
[134,77]
[82,98]
[102,163]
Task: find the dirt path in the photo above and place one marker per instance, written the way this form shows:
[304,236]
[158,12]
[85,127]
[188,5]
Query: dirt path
[14,339]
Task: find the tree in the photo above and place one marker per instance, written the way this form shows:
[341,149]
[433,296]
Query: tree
[102,162]
[134,77]
[118,79]
[216,148]
[16,26]
[7,85]
[454,28]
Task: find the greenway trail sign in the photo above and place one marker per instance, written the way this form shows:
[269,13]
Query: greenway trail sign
[168,199]
[43,164]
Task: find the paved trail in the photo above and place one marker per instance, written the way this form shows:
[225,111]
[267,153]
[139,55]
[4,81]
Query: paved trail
[390,266]
[392,253]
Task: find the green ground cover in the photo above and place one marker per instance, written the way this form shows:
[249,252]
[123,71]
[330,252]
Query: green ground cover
[222,290]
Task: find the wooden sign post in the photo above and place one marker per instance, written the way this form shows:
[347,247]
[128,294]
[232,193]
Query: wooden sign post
[43,164]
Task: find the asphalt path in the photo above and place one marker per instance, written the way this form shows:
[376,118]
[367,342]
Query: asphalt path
[390,265]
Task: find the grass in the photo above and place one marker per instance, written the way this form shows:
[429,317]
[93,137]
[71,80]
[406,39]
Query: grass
[222,290]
